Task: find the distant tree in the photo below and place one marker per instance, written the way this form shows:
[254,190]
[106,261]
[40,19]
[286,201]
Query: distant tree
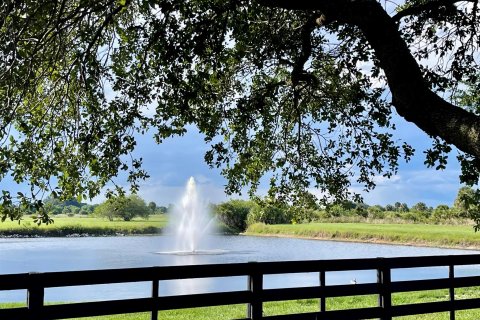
[361,210]
[270,213]
[125,208]
[53,209]
[442,211]
[403,207]
[389,207]
[349,205]
[53,201]
[376,212]
[420,207]
[234,213]
[467,202]
[162,209]
[335,210]
[397,206]
[421,210]
[305,214]
[152,206]
[134,206]
[376,207]
[86,209]
[106,209]
[72,206]
[73,202]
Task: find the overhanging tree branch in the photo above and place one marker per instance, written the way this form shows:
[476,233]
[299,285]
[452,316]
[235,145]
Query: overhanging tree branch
[411,96]
[427,6]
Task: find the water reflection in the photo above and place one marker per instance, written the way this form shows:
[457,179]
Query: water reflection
[68,254]
[185,286]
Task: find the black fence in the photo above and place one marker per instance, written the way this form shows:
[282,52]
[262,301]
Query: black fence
[255,294]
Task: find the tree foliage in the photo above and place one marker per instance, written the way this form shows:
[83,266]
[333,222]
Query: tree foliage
[467,204]
[234,214]
[124,207]
[301,91]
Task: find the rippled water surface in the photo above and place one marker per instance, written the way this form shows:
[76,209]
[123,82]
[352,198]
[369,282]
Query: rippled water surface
[68,254]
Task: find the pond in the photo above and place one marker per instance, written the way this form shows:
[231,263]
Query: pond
[68,254]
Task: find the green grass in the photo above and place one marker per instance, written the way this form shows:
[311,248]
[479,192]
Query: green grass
[310,305]
[417,234]
[63,226]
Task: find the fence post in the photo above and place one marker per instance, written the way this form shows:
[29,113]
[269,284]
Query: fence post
[155,285]
[451,290]
[322,295]
[255,285]
[385,296]
[35,297]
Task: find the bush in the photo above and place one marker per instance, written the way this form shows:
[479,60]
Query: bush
[125,208]
[269,214]
[335,210]
[304,215]
[411,216]
[441,212]
[234,214]
[376,212]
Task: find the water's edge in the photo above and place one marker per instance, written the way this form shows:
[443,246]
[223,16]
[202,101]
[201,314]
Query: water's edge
[420,244]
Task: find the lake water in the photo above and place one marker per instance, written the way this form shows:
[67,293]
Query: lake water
[68,254]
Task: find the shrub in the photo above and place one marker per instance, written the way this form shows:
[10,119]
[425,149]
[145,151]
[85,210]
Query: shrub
[335,210]
[234,214]
[376,212]
[441,212]
[304,215]
[125,208]
[269,214]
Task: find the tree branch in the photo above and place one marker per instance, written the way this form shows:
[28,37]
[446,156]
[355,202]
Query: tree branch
[411,95]
[427,6]
[106,22]
[293,5]
[298,73]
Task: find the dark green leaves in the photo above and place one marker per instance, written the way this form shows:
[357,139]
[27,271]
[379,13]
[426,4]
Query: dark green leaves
[277,95]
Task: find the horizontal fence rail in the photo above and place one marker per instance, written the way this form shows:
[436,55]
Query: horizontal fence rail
[255,294]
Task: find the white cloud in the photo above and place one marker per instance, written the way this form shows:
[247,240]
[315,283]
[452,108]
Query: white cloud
[413,186]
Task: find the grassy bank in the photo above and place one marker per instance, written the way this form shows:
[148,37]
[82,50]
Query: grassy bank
[311,305]
[416,234]
[67,226]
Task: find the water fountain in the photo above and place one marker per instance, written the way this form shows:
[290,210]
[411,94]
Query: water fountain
[190,223]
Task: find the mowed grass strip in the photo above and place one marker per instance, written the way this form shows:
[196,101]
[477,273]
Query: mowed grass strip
[64,226]
[460,236]
[310,305]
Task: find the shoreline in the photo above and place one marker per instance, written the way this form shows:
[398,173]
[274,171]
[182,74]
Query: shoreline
[427,244]
[424,244]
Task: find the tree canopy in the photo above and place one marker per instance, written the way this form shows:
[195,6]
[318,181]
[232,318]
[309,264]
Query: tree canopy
[124,207]
[300,91]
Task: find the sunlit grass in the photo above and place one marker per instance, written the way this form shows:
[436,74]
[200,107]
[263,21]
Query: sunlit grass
[417,234]
[83,225]
[308,305]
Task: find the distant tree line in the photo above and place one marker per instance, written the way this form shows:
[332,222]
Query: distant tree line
[238,214]
[124,207]
[69,207]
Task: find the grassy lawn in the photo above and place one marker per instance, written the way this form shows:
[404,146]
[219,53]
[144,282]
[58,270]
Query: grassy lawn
[460,236]
[83,225]
[419,234]
[311,305]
